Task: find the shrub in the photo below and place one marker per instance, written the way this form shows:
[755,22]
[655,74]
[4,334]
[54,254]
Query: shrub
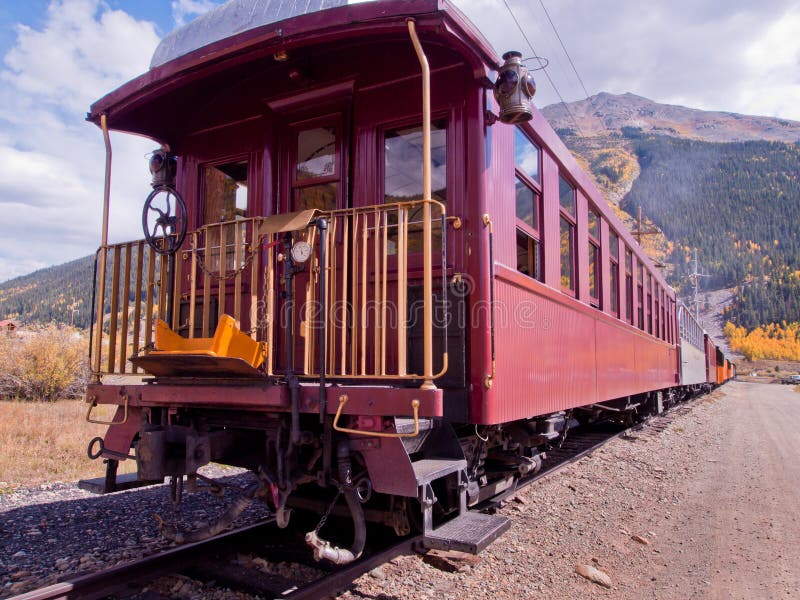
[46,363]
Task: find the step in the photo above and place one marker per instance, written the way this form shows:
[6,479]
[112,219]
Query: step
[430,469]
[128,481]
[469,532]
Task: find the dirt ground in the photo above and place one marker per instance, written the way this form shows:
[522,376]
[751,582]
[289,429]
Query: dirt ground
[707,508]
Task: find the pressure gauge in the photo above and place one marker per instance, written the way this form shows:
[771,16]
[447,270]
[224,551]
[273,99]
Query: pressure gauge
[301,252]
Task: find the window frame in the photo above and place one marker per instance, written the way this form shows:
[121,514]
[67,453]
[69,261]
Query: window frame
[595,248]
[292,184]
[570,219]
[640,294]
[444,117]
[630,316]
[613,271]
[533,234]
[649,317]
[201,187]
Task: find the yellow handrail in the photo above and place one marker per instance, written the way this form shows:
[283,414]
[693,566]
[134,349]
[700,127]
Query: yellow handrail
[343,400]
[111,422]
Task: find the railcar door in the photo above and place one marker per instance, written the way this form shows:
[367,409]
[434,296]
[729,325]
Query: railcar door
[314,161]
[220,179]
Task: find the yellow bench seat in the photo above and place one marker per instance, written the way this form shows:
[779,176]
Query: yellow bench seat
[228,341]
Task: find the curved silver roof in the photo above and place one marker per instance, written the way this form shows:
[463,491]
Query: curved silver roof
[229,19]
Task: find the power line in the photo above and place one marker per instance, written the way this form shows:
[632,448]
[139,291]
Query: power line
[552,83]
[564,48]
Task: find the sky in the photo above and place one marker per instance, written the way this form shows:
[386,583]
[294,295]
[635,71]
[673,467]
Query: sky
[59,56]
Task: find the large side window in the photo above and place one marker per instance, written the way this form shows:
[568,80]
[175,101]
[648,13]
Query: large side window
[528,206]
[595,283]
[566,193]
[224,188]
[613,264]
[402,177]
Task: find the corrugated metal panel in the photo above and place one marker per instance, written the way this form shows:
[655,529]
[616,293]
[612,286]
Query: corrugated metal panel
[554,353]
[693,364]
[229,19]
[500,200]
[545,356]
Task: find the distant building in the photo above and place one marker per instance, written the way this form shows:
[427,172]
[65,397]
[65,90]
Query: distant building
[8,326]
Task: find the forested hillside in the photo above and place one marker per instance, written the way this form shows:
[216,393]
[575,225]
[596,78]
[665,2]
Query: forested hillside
[62,294]
[738,203]
[723,183]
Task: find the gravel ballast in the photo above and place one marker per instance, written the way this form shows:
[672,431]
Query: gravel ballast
[704,508]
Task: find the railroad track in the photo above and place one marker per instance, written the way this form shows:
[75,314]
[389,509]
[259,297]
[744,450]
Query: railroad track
[210,559]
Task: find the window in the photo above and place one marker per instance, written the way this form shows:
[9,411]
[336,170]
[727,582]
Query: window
[528,211]
[613,263]
[526,155]
[316,173]
[528,257]
[224,189]
[657,310]
[629,285]
[640,295]
[594,259]
[402,178]
[225,192]
[566,193]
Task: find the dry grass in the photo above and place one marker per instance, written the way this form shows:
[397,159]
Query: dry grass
[46,442]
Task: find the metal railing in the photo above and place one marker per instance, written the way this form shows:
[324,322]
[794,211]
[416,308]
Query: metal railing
[360,310]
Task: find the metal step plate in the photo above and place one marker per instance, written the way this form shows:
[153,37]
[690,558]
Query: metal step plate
[470,532]
[429,469]
[127,481]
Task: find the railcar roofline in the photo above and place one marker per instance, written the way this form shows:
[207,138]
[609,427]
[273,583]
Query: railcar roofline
[324,26]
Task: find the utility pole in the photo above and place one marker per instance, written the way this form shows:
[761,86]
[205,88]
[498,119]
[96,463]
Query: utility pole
[640,231]
[695,279]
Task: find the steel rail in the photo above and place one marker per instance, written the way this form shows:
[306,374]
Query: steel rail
[122,577]
[339,579]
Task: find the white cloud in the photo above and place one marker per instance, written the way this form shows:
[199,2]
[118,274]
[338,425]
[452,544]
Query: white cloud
[774,59]
[736,55]
[51,159]
[184,11]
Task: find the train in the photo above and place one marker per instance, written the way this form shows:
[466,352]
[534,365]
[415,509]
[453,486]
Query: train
[372,275]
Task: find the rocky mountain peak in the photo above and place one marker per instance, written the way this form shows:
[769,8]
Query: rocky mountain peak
[604,114]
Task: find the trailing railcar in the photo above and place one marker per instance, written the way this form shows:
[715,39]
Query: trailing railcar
[692,352]
[370,269]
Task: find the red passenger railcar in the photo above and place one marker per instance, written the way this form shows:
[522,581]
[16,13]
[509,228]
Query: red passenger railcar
[370,265]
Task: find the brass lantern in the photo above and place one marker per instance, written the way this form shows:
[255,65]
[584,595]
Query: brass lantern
[163,167]
[514,89]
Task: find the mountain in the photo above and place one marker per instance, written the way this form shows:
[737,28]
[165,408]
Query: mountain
[605,113]
[62,294]
[723,183]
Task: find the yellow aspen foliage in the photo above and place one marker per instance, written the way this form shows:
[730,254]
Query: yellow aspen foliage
[776,341]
